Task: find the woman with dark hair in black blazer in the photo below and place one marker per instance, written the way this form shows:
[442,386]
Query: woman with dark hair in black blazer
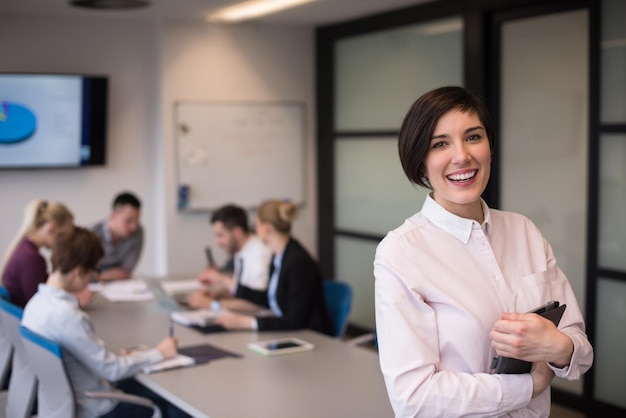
[295,293]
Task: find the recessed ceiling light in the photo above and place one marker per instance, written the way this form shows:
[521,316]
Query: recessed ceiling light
[251,9]
[110,4]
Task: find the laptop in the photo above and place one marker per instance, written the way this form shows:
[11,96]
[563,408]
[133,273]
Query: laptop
[173,302]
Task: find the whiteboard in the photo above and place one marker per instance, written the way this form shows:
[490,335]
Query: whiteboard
[239,153]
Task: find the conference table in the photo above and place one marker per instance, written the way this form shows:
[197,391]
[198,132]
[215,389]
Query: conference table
[335,379]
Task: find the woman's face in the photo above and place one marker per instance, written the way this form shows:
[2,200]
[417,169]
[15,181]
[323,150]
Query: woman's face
[52,229]
[261,229]
[458,163]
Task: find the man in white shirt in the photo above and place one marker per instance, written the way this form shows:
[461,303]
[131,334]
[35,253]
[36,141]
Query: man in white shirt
[251,258]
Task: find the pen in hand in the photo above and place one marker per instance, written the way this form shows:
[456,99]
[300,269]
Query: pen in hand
[171,334]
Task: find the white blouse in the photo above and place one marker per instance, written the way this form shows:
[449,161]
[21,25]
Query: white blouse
[441,283]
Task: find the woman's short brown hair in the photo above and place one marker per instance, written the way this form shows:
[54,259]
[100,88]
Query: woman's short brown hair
[421,120]
[79,248]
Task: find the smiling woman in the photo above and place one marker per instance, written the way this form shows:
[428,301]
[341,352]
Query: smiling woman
[458,163]
[457,314]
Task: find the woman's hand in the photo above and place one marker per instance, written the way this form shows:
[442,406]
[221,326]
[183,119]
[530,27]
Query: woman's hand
[84,297]
[167,347]
[217,281]
[542,377]
[199,299]
[530,337]
[231,320]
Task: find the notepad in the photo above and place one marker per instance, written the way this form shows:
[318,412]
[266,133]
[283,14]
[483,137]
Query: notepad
[174,287]
[176,362]
[191,356]
[134,290]
[199,317]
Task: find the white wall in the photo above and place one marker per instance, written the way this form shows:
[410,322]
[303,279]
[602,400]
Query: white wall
[150,65]
[124,50]
[232,63]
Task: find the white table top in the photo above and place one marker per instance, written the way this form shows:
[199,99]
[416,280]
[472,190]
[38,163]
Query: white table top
[333,380]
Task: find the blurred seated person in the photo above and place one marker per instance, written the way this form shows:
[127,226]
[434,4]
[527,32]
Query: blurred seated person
[122,238]
[251,258]
[24,268]
[295,292]
[53,312]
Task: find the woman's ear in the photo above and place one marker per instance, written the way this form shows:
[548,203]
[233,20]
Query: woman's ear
[71,278]
[50,227]
[49,230]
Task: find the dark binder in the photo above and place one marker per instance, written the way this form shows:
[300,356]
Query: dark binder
[505,365]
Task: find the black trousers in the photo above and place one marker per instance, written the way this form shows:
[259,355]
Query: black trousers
[123,409]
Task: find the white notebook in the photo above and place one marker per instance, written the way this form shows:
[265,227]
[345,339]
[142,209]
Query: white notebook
[201,317]
[174,287]
[173,363]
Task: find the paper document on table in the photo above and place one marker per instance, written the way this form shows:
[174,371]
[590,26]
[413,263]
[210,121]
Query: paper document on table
[134,290]
[200,317]
[95,287]
[173,287]
[175,362]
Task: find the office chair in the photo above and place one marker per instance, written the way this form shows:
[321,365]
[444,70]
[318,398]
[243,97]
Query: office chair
[55,397]
[6,348]
[23,385]
[338,297]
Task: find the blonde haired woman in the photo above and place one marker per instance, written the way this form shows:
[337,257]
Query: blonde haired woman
[295,293]
[24,268]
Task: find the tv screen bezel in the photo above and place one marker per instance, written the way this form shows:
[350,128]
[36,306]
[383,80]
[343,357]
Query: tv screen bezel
[94,120]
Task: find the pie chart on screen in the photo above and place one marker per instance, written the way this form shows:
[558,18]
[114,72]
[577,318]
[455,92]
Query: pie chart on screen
[17,123]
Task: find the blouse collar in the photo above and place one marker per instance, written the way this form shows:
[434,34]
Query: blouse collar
[459,227]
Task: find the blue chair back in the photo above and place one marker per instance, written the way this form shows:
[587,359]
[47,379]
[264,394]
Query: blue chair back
[55,397]
[338,297]
[23,385]
[6,348]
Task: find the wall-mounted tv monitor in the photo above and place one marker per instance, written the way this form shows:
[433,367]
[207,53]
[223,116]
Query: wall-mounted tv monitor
[52,120]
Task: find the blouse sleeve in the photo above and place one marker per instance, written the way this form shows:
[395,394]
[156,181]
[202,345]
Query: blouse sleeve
[572,323]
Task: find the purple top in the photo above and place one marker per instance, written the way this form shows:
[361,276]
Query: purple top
[23,272]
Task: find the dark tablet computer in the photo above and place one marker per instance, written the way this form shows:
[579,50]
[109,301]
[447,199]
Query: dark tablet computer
[552,311]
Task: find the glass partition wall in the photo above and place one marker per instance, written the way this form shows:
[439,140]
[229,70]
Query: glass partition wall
[607,290]
[377,77]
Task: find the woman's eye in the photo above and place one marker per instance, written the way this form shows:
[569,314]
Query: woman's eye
[473,137]
[438,144]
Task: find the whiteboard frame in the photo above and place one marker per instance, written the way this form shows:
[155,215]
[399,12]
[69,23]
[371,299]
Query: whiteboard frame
[300,200]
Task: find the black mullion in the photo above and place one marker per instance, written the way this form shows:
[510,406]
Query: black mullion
[366,134]
[492,191]
[593,191]
[613,128]
[611,274]
[359,235]
[325,98]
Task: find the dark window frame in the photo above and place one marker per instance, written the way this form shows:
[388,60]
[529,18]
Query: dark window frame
[483,20]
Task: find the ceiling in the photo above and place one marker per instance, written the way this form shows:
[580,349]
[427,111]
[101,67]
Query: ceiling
[317,13]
